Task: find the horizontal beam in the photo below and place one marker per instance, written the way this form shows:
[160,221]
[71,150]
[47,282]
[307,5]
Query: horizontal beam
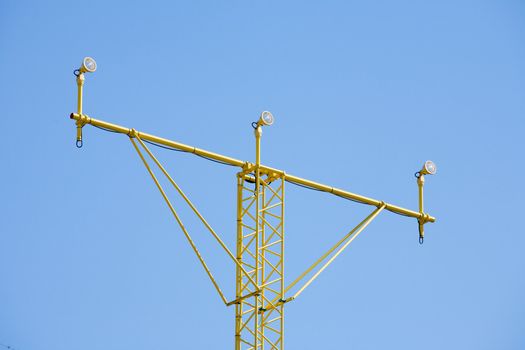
[84,119]
[361,199]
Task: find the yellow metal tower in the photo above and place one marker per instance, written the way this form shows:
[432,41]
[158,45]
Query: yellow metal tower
[260,291]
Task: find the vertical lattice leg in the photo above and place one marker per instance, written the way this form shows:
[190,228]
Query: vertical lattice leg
[260,249]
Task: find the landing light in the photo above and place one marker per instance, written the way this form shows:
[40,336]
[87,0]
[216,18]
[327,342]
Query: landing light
[266,118]
[429,168]
[89,65]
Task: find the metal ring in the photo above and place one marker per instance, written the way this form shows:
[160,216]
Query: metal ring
[254,125]
[79,143]
[76,72]
[417,174]
[421,239]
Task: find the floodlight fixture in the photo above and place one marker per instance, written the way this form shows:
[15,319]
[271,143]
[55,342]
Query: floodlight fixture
[89,65]
[429,168]
[266,119]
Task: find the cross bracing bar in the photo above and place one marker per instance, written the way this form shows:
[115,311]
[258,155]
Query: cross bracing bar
[83,119]
[347,239]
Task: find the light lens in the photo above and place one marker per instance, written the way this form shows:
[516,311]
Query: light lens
[89,64]
[430,167]
[267,118]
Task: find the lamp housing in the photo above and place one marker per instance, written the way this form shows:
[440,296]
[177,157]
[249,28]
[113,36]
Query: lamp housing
[89,65]
[265,119]
[429,168]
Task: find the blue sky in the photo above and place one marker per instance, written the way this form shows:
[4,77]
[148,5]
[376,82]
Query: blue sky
[362,92]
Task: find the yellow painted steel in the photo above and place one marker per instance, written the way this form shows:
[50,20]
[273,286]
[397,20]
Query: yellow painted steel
[421,223]
[258,232]
[179,221]
[260,247]
[247,165]
[194,209]
[79,122]
[259,256]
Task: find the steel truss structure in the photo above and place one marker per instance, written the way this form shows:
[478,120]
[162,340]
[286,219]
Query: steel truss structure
[260,290]
[260,248]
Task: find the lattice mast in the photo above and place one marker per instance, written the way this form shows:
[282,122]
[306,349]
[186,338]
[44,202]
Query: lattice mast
[260,248]
[260,291]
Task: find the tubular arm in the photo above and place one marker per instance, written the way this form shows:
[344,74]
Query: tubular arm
[422,217]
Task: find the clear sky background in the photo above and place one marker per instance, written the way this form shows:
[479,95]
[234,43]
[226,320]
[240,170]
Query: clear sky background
[362,92]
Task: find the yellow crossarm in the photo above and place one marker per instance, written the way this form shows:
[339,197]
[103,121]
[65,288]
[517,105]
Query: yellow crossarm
[422,217]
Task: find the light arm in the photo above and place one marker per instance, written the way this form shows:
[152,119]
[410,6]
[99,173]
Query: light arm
[424,217]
